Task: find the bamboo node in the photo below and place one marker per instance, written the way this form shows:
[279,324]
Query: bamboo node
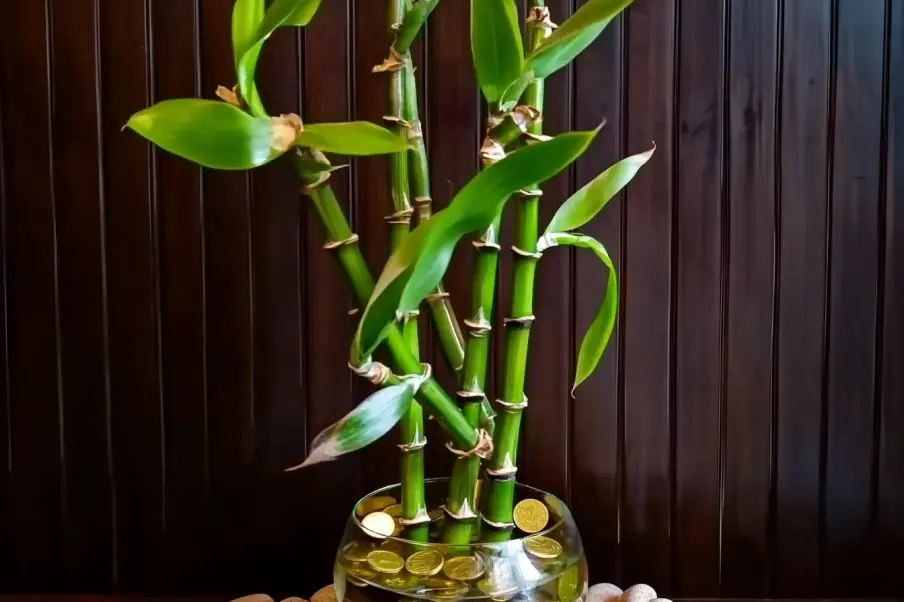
[482,449]
[229,96]
[491,151]
[526,254]
[375,372]
[411,314]
[529,137]
[396,120]
[540,16]
[415,130]
[479,327]
[530,193]
[469,394]
[418,443]
[420,517]
[335,244]
[417,380]
[394,62]
[464,513]
[545,242]
[508,406]
[283,131]
[495,524]
[400,217]
[353,311]
[524,115]
[437,296]
[322,179]
[523,322]
[422,200]
[481,244]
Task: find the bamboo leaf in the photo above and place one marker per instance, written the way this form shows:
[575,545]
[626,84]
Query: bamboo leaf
[372,419]
[246,18]
[512,94]
[597,336]
[573,36]
[496,47]
[583,205]
[414,20]
[419,263]
[210,133]
[354,138]
[280,13]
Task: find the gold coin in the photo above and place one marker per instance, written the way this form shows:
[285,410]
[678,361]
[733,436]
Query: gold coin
[395,510]
[400,581]
[444,593]
[385,561]
[463,568]
[378,524]
[373,504]
[542,547]
[531,515]
[356,551]
[361,572]
[424,563]
[440,583]
[356,582]
[491,587]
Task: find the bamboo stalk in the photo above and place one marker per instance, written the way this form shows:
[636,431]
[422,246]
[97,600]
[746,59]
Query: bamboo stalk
[501,469]
[343,244]
[411,426]
[461,504]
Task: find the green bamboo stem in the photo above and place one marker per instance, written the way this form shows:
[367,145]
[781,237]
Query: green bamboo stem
[411,426]
[501,469]
[461,504]
[348,254]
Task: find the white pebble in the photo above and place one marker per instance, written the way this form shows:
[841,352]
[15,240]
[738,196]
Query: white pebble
[639,593]
[603,592]
[660,600]
[378,524]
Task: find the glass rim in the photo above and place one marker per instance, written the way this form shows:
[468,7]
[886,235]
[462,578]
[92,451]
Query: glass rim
[566,517]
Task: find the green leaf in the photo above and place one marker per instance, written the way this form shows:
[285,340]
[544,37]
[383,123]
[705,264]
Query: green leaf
[355,138]
[573,36]
[280,13]
[373,418]
[512,94]
[597,336]
[584,204]
[414,20]
[419,263]
[495,46]
[246,18]
[207,132]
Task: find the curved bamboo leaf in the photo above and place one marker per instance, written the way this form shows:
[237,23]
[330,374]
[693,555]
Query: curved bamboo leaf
[597,336]
[373,418]
[354,138]
[414,20]
[496,47]
[419,263]
[280,13]
[512,94]
[573,36]
[584,204]
[246,18]
[210,133]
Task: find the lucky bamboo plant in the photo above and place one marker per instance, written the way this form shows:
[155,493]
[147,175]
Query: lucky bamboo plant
[237,133]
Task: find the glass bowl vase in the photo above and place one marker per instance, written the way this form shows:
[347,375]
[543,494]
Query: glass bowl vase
[546,566]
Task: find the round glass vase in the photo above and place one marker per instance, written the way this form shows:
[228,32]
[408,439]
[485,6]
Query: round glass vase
[547,566]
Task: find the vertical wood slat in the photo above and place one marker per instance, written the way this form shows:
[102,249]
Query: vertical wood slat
[182,299]
[546,428]
[599,88]
[700,157]
[229,333]
[852,290]
[801,295]
[87,535]
[133,298]
[5,424]
[330,390]
[889,525]
[36,500]
[646,277]
[749,320]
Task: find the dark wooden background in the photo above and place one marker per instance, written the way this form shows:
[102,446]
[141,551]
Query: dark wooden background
[173,338]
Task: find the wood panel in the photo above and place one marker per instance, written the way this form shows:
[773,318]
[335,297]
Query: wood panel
[173,338]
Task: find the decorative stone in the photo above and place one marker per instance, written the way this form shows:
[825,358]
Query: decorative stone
[639,593]
[660,600]
[604,592]
[325,594]
[293,599]
[254,598]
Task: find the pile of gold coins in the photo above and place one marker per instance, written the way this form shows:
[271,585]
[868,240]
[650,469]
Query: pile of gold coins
[534,567]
